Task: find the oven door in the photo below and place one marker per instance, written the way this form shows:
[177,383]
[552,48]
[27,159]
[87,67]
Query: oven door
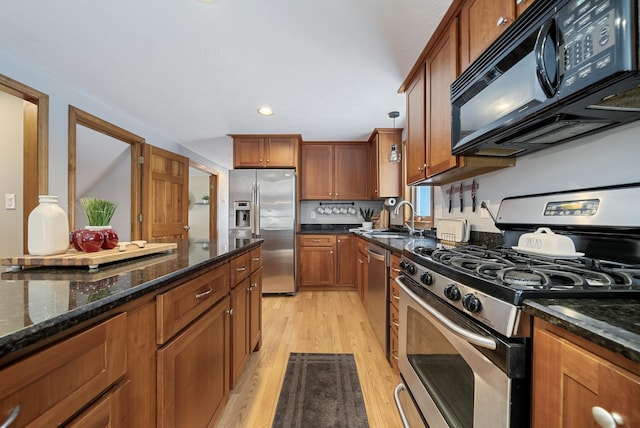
[459,374]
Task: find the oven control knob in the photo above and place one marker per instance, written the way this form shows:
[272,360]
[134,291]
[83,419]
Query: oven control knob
[471,303]
[452,292]
[426,278]
[407,267]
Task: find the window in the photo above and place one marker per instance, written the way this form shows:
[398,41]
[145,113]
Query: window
[422,201]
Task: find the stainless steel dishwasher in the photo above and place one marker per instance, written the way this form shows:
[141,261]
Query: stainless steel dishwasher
[377,298]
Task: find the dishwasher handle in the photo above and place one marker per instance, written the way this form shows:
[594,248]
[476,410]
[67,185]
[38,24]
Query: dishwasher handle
[376,256]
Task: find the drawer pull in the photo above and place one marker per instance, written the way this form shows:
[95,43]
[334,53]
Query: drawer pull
[241,269]
[12,417]
[395,296]
[316,240]
[229,312]
[395,323]
[394,356]
[204,293]
[396,270]
[502,21]
[256,259]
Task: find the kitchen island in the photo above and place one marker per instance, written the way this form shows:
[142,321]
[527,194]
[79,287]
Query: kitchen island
[119,341]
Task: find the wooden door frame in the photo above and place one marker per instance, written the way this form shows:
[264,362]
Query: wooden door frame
[80,117]
[213,197]
[35,147]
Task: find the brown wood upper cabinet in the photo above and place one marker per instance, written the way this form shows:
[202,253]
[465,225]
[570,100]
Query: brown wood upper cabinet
[265,151]
[334,171]
[481,22]
[428,150]
[386,176]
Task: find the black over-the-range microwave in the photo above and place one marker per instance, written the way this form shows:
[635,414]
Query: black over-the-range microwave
[564,69]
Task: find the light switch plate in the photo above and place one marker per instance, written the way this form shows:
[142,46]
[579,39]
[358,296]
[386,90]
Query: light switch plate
[10,201]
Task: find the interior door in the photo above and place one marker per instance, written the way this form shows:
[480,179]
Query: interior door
[165,180]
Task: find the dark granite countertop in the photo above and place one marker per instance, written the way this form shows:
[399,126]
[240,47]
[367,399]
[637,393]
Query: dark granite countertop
[613,324]
[38,303]
[330,229]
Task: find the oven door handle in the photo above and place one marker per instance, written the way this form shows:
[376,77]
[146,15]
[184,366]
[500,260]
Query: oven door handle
[469,336]
[396,398]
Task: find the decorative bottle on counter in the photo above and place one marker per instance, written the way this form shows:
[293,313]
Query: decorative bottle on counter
[48,228]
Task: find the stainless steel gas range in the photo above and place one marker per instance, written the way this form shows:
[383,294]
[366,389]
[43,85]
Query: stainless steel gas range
[464,341]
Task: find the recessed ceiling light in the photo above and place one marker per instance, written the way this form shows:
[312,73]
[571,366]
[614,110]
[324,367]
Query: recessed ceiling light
[265,111]
[209,1]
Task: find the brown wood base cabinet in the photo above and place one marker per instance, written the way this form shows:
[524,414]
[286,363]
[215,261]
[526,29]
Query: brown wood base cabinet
[167,359]
[576,381]
[394,312]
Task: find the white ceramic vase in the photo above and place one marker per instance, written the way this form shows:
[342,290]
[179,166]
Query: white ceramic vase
[47,228]
[367,225]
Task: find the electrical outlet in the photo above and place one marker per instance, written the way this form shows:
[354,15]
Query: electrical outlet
[10,201]
[484,213]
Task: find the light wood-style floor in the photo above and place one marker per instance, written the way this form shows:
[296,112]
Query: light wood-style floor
[327,322]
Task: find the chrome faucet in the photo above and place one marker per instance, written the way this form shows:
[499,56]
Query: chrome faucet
[396,211]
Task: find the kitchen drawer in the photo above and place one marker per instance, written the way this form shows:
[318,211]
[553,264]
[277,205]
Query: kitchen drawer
[109,411]
[394,318]
[180,306]
[394,294]
[240,268]
[363,246]
[393,349]
[256,259]
[317,240]
[394,269]
[54,384]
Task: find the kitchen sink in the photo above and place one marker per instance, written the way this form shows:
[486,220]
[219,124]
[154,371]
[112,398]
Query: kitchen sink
[389,235]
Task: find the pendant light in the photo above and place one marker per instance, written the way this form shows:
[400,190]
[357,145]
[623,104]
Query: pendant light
[395,156]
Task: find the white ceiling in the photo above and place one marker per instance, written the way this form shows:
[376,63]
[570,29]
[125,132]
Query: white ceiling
[196,72]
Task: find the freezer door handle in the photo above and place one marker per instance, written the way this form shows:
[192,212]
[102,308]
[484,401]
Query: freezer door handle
[256,211]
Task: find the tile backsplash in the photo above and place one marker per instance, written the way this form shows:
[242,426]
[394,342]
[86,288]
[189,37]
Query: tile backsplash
[310,213]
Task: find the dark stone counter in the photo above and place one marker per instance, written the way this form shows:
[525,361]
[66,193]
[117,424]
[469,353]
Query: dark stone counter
[613,324]
[38,303]
[330,229]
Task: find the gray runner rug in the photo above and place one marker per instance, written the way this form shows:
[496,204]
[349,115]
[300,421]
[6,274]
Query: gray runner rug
[321,390]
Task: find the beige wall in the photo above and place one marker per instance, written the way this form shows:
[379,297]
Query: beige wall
[11,124]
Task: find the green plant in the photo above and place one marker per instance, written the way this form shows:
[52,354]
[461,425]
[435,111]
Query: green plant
[205,198]
[367,214]
[98,211]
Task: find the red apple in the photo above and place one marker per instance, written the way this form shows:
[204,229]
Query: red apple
[91,240]
[76,239]
[110,239]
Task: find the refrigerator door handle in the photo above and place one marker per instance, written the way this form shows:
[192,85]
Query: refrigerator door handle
[252,225]
[257,210]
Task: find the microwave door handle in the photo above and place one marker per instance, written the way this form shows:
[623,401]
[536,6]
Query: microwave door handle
[548,83]
[469,336]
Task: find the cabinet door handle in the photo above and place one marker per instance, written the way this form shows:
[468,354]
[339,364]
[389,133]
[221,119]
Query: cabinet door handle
[395,297]
[241,269]
[12,417]
[204,293]
[502,21]
[520,1]
[395,323]
[605,419]
[394,356]
[230,311]
[268,160]
[396,270]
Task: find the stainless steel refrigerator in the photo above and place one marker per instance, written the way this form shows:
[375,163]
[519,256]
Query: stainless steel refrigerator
[262,204]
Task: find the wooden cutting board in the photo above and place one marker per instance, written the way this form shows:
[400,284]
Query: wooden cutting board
[74,258]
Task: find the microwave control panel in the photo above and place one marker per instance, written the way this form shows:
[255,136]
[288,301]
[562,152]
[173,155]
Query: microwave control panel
[588,37]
